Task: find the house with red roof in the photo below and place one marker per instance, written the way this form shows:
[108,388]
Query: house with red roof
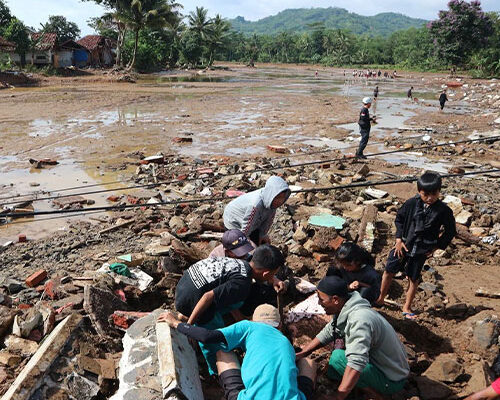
[100,48]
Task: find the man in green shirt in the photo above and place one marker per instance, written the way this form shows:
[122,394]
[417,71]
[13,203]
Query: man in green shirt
[374,359]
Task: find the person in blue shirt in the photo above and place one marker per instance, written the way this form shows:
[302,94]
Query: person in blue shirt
[268,370]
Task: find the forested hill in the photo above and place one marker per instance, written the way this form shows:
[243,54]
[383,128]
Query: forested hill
[300,20]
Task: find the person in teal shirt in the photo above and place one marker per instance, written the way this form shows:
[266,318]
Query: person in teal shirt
[268,370]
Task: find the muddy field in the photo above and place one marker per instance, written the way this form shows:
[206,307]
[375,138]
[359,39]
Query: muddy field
[219,122]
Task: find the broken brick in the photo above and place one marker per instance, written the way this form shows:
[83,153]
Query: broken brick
[123,319]
[37,277]
[113,198]
[22,238]
[319,257]
[50,289]
[277,149]
[336,243]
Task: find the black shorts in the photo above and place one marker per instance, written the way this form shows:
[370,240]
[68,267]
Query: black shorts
[232,384]
[411,266]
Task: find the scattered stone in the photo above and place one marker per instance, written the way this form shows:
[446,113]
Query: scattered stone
[7,316]
[81,388]
[431,390]
[464,217]
[479,377]
[445,368]
[69,201]
[9,359]
[367,228]
[485,334]
[457,310]
[20,345]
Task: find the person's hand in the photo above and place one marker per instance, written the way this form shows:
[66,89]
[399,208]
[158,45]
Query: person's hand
[169,318]
[301,354]
[279,285]
[398,248]
[354,285]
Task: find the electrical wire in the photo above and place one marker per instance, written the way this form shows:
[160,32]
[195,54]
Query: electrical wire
[343,158]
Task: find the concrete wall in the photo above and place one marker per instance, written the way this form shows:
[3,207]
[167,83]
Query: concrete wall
[63,58]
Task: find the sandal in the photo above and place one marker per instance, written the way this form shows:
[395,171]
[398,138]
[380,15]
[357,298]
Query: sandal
[409,315]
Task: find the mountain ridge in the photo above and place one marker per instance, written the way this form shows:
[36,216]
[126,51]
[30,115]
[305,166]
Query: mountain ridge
[300,19]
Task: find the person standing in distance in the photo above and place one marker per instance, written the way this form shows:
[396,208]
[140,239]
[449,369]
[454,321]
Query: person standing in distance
[364,126]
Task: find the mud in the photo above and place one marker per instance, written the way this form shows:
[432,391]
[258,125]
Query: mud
[99,131]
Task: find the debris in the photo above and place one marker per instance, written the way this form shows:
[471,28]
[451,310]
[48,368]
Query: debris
[445,368]
[375,193]
[327,221]
[124,319]
[28,380]
[36,278]
[20,345]
[481,292]
[485,333]
[305,309]
[117,226]
[99,305]
[479,377]
[81,388]
[103,367]
[336,243]
[303,286]
[179,139]
[177,363]
[7,316]
[277,149]
[8,359]
[430,389]
[463,217]
[367,227]
[21,238]
[69,201]
[41,163]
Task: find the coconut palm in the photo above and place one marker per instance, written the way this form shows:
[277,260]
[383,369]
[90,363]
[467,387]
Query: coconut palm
[140,14]
[218,36]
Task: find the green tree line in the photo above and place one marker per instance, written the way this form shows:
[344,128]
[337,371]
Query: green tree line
[154,35]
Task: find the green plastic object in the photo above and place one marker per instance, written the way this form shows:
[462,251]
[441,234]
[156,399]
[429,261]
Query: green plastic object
[327,221]
[121,269]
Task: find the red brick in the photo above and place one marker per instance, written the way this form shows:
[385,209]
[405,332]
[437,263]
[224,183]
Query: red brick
[325,166]
[277,149]
[24,306]
[50,289]
[319,257]
[113,198]
[335,243]
[37,277]
[123,319]
[22,238]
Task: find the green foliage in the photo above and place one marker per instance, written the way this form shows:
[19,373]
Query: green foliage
[460,31]
[302,19]
[486,62]
[65,30]
[191,48]
[6,63]
[5,16]
[17,33]
[153,50]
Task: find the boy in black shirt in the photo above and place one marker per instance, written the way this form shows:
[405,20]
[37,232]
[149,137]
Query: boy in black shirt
[364,126]
[215,286]
[418,224]
[410,93]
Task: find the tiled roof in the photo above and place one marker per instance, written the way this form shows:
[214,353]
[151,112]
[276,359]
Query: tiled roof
[91,42]
[45,41]
[5,45]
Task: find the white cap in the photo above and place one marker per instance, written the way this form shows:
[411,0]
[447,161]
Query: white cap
[367,100]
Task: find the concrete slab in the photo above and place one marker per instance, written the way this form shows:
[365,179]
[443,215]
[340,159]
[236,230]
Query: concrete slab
[32,375]
[178,365]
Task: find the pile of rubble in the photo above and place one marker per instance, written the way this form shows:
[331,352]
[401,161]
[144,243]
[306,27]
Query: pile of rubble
[78,309]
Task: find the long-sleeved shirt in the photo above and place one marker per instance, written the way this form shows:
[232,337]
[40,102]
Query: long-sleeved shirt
[365,274]
[437,215]
[364,118]
[253,211]
[368,338]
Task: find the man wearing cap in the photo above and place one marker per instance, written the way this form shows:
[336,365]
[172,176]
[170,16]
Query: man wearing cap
[213,287]
[235,244]
[374,358]
[364,126]
[268,371]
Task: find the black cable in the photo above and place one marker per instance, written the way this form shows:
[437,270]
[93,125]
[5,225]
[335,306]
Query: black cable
[329,150]
[213,199]
[343,158]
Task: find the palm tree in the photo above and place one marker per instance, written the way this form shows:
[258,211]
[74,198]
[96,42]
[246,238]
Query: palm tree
[139,14]
[200,23]
[218,36]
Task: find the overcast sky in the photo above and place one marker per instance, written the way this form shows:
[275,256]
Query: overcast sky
[33,12]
